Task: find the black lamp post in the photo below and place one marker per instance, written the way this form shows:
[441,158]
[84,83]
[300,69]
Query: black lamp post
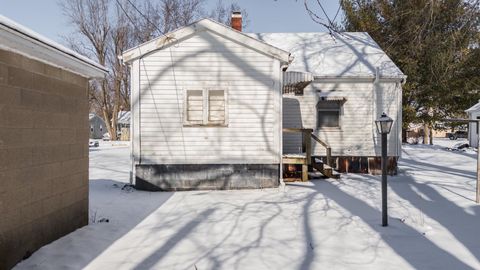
[384,125]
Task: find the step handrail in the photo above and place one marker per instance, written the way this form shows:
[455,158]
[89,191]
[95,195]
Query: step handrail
[307,144]
[327,147]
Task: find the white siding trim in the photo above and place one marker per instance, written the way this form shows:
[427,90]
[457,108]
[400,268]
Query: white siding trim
[203,25]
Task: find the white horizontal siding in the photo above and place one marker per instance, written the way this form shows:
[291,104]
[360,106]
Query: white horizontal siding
[203,61]
[356,136]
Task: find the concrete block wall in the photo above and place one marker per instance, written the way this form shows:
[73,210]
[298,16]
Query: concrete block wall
[43,155]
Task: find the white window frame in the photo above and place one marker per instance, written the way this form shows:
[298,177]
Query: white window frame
[339,110]
[206,107]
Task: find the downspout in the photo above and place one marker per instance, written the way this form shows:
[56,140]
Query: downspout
[132,159]
[375,106]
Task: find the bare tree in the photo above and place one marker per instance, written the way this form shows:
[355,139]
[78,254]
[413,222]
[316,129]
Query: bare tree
[106,28]
[222,13]
[90,18]
[319,14]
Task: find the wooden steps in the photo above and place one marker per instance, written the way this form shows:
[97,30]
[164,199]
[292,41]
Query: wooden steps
[323,168]
[310,166]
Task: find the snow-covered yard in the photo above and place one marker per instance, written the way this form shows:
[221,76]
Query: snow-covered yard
[324,224]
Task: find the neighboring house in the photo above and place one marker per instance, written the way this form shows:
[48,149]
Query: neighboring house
[473,114]
[43,141]
[97,126]
[123,125]
[209,104]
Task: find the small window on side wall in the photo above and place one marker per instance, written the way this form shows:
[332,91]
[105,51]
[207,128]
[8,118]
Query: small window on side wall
[328,114]
[207,107]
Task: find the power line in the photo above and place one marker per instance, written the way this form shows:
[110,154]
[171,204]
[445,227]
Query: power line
[146,18]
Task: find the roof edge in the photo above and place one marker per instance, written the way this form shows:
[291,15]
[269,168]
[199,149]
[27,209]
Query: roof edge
[20,39]
[204,24]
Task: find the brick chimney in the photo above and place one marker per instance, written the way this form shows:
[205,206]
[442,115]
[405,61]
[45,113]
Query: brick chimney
[236,22]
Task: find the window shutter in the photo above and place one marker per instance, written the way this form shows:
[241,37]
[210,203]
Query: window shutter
[216,107]
[194,107]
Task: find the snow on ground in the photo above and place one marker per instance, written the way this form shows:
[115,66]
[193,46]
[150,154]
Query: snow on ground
[324,224]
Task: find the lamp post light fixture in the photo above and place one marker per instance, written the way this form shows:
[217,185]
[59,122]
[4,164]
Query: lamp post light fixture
[384,126]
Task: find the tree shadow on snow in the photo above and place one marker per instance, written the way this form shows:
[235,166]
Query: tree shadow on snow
[411,245]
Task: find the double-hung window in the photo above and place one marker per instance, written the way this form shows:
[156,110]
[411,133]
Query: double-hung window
[205,107]
[328,114]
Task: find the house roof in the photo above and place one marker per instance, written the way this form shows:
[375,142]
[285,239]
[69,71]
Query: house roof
[344,55]
[17,38]
[474,108]
[202,25]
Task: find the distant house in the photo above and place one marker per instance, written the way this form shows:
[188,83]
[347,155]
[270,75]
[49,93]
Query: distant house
[123,125]
[213,108]
[97,126]
[473,114]
[43,141]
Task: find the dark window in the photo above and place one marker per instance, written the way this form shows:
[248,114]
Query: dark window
[328,114]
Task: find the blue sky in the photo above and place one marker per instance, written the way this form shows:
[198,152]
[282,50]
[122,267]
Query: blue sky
[46,18]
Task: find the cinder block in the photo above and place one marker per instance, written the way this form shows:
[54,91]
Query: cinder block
[3,160]
[41,189]
[19,158]
[18,197]
[76,151]
[9,96]
[53,72]
[51,204]
[32,65]
[21,78]
[16,117]
[31,212]
[75,166]
[52,103]
[70,105]
[31,99]
[11,138]
[3,74]
[68,135]
[74,79]
[10,58]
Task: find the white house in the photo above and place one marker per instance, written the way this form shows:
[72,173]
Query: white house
[209,103]
[473,114]
[353,82]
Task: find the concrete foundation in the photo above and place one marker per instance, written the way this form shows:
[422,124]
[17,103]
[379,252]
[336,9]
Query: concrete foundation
[173,177]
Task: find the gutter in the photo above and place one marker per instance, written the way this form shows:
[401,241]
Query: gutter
[51,46]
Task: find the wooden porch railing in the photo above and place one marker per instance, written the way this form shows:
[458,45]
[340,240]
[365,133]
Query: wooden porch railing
[327,147]
[307,137]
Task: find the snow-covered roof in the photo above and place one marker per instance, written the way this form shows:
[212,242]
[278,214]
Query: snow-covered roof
[474,108]
[22,40]
[202,25]
[123,117]
[349,54]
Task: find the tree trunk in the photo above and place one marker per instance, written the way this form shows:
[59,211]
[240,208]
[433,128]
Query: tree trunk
[425,133]
[431,135]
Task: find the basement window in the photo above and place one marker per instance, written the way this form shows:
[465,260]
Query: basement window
[328,114]
[206,107]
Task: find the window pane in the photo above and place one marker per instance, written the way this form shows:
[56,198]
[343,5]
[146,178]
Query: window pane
[216,106]
[195,106]
[328,118]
